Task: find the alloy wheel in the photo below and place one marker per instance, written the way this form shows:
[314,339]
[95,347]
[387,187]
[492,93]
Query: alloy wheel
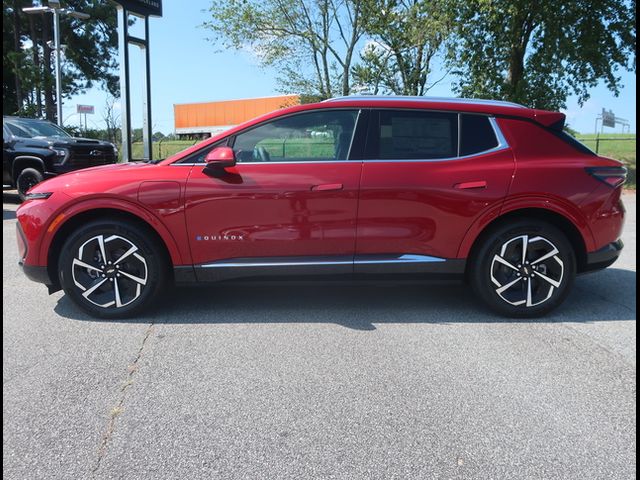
[527,271]
[110,271]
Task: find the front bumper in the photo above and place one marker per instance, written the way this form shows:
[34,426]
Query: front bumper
[604,257]
[36,273]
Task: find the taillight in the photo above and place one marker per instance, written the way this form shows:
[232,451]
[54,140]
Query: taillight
[612,176]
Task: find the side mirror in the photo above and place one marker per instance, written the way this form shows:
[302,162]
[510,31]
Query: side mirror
[220,158]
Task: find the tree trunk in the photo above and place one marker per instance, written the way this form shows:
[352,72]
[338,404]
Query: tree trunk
[516,71]
[49,82]
[36,64]
[17,48]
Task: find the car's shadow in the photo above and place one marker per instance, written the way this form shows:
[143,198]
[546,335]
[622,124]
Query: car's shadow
[9,198]
[609,295]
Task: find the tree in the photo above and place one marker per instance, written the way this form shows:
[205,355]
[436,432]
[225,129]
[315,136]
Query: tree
[89,56]
[111,120]
[311,42]
[405,37]
[539,53]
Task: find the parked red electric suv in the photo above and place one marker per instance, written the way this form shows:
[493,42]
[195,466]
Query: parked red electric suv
[400,187]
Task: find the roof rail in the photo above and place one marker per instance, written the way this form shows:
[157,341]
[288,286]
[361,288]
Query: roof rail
[395,98]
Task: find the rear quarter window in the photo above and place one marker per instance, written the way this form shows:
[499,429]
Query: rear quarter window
[476,134]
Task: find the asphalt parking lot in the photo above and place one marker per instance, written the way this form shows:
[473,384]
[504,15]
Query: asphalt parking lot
[321,382]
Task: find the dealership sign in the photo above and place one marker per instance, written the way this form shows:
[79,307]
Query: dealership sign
[146,8]
[90,109]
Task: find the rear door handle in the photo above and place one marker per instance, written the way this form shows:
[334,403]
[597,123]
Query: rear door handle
[327,187]
[471,185]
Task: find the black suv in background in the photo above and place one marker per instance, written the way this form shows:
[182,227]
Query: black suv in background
[33,150]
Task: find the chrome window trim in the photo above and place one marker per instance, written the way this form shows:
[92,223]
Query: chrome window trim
[502,145]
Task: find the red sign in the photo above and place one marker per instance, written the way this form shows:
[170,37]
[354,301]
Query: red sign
[90,109]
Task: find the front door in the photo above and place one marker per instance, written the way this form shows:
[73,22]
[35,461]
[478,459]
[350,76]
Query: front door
[288,206]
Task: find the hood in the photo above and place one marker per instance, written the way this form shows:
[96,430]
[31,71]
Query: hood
[61,141]
[70,141]
[45,142]
[96,179]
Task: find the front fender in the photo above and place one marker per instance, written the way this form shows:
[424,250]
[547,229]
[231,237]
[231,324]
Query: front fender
[180,254]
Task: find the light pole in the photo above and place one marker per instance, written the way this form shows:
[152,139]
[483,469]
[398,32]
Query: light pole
[54,7]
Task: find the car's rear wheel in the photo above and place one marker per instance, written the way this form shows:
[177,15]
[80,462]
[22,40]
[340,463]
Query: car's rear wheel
[27,178]
[523,269]
[112,269]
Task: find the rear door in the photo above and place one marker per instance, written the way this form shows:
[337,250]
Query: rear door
[288,206]
[426,177]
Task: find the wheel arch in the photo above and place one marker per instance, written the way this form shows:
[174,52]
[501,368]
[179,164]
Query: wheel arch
[72,222]
[26,161]
[560,221]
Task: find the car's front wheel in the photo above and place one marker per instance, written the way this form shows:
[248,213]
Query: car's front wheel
[27,178]
[112,269]
[523,269]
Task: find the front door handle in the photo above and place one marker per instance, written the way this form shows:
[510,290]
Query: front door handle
[327,187]
[471,185]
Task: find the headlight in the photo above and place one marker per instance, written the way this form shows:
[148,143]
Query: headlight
[38,196]
[61,154]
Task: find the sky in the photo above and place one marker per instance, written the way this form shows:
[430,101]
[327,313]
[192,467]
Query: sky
[186,68]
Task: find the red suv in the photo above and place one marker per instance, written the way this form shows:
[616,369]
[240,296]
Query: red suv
[490,192]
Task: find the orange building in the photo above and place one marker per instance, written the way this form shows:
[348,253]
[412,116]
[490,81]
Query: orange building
[209,118]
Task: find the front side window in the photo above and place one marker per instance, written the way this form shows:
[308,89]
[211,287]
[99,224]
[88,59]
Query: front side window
[199,156]
[315,136]
[416,135]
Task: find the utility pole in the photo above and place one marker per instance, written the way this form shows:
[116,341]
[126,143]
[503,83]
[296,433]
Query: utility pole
[55,8]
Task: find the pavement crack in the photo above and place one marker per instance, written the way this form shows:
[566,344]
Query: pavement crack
[118,409]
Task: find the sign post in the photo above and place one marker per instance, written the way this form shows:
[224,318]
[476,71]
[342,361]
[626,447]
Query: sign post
[84,110]
[145,9]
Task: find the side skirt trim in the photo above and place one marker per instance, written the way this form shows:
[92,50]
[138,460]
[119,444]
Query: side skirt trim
[330,265]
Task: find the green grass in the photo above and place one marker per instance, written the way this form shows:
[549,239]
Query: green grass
[162,149]
[299,148]
[615,146]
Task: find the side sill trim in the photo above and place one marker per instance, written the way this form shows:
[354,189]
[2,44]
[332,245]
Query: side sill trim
[330,265]
[302,262]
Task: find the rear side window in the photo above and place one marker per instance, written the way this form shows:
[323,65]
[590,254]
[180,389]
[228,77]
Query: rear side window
[476,134]
[415,135]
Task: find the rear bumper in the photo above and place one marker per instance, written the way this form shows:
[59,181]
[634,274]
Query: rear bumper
[604,257]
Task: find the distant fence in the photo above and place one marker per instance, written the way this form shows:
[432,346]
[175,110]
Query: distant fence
[599,142]
[162,148]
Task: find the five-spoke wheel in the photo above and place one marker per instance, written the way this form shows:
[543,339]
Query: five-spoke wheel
[523,269]
[112,269]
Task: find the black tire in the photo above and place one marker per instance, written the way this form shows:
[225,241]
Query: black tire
[122,288]
[537,286]
[27,178]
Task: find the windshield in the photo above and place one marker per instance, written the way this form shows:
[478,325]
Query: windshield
[23,127]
